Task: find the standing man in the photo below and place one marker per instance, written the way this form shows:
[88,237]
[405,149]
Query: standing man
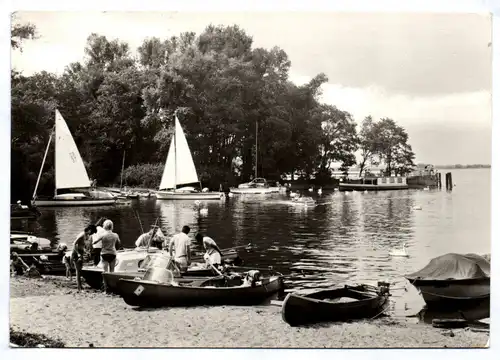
[180,245]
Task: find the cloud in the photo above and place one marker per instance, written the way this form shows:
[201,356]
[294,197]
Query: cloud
[451,128]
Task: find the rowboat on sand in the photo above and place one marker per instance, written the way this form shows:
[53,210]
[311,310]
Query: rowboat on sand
[363,301]
[159,289]
[135,262]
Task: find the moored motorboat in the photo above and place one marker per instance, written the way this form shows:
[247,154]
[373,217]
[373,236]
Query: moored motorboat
[364,301]
[454,282]
[162,260]
[374,183]
[163,291]
[20,211]
[256,186]
[134,261]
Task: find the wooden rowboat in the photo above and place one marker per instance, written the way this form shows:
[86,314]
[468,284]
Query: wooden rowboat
[365,302]
[215,291]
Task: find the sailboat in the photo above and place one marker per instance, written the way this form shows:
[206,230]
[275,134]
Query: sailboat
[70,172]
[257,185]
[180,170]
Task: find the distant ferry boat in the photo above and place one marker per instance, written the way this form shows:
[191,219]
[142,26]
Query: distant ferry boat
[375,183]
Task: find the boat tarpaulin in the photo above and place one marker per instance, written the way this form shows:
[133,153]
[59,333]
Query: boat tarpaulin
[454,266]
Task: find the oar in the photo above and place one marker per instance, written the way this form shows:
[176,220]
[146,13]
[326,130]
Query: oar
[216,270]
[139,219]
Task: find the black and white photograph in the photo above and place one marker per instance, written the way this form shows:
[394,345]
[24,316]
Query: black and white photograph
[250,179]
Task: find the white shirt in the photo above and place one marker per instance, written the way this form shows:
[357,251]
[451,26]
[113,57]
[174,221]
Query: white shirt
[180,243]
[212,256]
[96,238]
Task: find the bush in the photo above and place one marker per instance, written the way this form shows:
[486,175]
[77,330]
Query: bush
[29,340]
[143,175]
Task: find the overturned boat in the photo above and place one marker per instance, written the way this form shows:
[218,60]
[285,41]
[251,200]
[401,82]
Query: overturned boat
[341,304]
[454,282]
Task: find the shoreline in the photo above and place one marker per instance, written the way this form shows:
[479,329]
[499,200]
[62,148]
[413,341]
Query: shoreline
[52,307]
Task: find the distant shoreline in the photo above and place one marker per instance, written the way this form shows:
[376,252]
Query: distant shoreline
[463,167]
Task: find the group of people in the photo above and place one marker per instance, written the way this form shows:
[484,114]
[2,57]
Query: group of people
[105,243]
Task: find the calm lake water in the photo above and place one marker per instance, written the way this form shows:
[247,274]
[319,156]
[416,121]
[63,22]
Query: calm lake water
[347,239]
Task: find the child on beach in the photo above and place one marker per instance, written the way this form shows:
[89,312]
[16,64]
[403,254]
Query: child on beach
[17,265]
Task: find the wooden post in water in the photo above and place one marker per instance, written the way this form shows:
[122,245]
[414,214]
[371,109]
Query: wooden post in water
[439,184]
[449,182]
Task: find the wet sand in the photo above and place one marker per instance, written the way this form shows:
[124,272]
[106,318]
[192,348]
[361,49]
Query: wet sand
[52,307]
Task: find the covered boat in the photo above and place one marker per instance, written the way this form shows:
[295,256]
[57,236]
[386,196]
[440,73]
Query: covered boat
[341,304]
[159,289]
[454,282]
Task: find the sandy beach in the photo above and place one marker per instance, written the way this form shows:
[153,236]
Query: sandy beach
[52,307]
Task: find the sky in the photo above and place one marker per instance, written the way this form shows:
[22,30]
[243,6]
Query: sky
[431,73]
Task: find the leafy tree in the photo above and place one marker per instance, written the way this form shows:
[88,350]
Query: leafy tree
[367,144]
[339,139]
[392,146]
[21,32]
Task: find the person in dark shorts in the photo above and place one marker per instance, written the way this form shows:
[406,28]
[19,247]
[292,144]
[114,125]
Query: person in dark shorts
[110,242]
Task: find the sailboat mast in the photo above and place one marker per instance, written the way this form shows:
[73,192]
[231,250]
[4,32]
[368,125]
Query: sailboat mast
[256,147]
[43,163]
[123,166]
[175,152]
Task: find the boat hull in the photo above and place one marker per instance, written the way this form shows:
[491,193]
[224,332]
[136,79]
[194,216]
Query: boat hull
[151,294]
[453,295]
[111,279]
[369,187]
[93,275]
[171,195]
[311,308]
[74,202]
[256,190]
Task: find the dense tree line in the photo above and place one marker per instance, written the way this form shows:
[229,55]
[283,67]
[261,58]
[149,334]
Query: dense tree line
[119,101]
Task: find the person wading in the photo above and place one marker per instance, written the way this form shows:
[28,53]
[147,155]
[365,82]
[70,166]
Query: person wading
[180,245]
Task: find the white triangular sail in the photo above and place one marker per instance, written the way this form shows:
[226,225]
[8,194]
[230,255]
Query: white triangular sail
[70,169]
[179,167]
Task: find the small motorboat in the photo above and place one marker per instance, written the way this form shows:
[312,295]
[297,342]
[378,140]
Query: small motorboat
[341,304]
[19,211]
[159,260]
[159,289]
[132,260]
[399,252]
[454,282]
